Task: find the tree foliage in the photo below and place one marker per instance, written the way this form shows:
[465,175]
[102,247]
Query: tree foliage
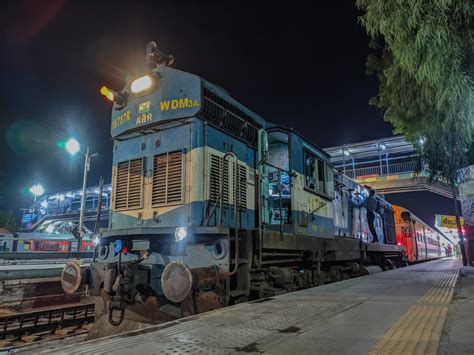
[7,220]
[423,57]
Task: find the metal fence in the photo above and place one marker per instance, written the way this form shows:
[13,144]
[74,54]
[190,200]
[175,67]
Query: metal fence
[383,170]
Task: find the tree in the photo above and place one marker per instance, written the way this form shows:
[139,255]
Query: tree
[7,220]
[423,57]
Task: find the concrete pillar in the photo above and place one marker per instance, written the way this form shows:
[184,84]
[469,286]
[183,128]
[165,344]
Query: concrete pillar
[466,191]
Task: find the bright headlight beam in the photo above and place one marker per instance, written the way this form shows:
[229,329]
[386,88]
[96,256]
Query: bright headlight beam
[141,84]
[180,233]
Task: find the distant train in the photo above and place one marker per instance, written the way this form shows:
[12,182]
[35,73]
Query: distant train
[45,242]
[420,240]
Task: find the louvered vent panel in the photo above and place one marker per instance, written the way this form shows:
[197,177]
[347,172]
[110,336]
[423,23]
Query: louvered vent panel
[121,185]
[135,183]
[217,173]
[159,180]
[167,178]
[129,184]
[242,187]
[215,181]
[175,169]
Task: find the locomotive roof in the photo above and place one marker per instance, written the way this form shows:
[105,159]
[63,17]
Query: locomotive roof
[292,130]
[224,94]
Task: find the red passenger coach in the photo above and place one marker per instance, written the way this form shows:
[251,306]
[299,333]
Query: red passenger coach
[420,240]
[43,242]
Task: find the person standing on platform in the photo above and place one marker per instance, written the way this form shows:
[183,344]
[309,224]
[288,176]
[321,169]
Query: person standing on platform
[450,250]
[457,248]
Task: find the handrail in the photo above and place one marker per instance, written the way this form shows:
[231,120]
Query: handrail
[219,201]
[384,170]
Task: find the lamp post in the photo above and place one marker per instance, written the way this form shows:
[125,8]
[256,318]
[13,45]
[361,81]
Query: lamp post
[72,146]
[37,190]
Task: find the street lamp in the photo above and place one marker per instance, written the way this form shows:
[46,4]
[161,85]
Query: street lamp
[37,190]
[72,146]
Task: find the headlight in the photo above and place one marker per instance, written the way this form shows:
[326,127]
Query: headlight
[180,233]
[141,84]
[96,240]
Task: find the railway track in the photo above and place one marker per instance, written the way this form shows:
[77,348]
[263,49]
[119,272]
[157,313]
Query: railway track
[22,329]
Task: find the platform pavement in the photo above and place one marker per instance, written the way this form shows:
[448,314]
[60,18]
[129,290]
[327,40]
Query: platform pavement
[401,311]
[458,331]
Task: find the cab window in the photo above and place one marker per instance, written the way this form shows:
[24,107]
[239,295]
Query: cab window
[314,172]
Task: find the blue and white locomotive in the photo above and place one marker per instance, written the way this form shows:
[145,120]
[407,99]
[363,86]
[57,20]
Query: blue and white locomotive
[214,205]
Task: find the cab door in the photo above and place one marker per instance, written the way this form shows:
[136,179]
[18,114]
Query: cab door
[279,181]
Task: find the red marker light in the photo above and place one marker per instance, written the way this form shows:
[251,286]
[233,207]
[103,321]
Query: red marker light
[109,94]
[399,244]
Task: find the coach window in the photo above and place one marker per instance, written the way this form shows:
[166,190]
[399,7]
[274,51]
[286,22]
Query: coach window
[314,172]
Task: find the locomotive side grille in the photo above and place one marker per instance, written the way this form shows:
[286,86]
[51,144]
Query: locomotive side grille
[217,173]
[158,195]
[128,184]
[167,178]
[135,183]
[216,176]
[229,118]
[242,187]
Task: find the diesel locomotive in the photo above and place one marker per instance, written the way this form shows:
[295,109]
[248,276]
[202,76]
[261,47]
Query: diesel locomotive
[214,205]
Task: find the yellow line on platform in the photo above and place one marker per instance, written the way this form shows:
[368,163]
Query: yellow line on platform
[418,330]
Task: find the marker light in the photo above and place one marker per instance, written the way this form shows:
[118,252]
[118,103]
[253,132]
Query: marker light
[180,233]
[141,84]
[107,93]
[96,240]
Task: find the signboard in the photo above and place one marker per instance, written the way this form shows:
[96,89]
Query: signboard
[446,221]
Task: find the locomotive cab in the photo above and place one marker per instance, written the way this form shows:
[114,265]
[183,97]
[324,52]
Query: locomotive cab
[300,190]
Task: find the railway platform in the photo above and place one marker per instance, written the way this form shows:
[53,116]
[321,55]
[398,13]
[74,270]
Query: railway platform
[423,309]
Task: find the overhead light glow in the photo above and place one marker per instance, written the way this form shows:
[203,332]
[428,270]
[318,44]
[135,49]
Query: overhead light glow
[72,146]
[141,84]
[44,204]
[49,229]
[180,233]
[107,93]
[37,190]
[346,153]
[96,240]
[383,146]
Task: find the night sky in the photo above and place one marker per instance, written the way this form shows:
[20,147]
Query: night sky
[299,65]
